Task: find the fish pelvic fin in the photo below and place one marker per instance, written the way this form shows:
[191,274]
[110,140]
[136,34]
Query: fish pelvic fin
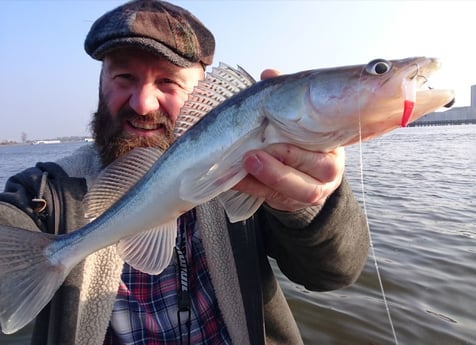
[28,278]
[150,251]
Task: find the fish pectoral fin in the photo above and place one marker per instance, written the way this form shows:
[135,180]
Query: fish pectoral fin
[239,206]
[150,251]
[211,184]
[221,175]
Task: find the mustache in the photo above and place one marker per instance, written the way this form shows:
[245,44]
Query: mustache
[159,117]
[111,140]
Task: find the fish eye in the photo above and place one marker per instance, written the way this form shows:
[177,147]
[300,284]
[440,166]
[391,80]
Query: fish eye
[378,67]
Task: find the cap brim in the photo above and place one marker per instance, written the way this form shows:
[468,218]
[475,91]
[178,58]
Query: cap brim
[147,44]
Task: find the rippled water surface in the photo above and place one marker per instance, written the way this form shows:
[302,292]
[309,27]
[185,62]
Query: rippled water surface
[418,187]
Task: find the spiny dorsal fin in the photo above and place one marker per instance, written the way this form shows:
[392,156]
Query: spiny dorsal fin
[220,84]
[116,179]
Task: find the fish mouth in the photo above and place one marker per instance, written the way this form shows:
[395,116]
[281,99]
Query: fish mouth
[450,103]
[420,97]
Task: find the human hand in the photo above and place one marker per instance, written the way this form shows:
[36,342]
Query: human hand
[290,178]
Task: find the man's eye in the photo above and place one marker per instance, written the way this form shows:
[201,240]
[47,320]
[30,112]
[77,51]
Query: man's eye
[124,76]
[168,85]
[166,81]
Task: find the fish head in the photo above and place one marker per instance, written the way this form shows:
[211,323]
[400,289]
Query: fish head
[366,101]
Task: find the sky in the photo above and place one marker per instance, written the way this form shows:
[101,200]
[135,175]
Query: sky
[49,85]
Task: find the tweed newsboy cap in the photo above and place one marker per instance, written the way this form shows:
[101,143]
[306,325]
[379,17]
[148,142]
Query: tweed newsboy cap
[156,26]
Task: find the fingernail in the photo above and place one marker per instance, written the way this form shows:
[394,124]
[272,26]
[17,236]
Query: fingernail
[253,165]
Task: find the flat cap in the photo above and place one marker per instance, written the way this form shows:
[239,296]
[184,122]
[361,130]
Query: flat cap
[156,26]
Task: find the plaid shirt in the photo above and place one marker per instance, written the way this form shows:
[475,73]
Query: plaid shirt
[145,311]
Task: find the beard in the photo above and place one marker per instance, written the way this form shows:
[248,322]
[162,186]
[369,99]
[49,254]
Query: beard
[111,140]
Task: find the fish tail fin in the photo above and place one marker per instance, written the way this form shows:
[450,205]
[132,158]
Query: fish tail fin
[28,278]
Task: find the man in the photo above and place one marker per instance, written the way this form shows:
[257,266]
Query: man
[153,53]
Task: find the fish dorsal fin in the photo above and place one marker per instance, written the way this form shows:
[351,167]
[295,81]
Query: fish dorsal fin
[117,178]
[150,251]
[220,84]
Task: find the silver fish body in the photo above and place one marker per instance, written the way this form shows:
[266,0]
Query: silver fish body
[316,110]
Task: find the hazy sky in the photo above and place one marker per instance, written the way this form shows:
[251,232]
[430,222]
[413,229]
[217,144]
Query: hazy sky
[49,84]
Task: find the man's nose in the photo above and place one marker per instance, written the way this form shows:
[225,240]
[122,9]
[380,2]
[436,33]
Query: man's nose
[145,99]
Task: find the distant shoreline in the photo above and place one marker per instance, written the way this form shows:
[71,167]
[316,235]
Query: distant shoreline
[47,141]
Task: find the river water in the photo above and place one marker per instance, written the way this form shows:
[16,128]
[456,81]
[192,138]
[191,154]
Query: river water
[418,187]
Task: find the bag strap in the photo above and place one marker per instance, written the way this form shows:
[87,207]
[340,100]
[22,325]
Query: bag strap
[39,202]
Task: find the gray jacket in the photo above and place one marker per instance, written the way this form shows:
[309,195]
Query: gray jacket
[321,249]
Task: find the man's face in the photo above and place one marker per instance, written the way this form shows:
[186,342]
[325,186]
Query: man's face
[140,98]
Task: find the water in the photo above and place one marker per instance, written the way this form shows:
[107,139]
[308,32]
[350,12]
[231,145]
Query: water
[420,195]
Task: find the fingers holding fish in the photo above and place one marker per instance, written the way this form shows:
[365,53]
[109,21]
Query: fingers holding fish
[290,178]
[269,73]
[323,166]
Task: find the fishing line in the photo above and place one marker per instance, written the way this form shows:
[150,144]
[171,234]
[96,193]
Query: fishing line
[372,247]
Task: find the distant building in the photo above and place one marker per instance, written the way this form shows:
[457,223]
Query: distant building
[453,116]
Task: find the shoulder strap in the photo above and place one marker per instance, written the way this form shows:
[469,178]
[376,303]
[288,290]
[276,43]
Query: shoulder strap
[63,197]
[57,202]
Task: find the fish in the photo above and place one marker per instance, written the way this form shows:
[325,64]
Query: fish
[136,201]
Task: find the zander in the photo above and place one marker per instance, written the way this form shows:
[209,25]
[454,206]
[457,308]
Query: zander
[136,201]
